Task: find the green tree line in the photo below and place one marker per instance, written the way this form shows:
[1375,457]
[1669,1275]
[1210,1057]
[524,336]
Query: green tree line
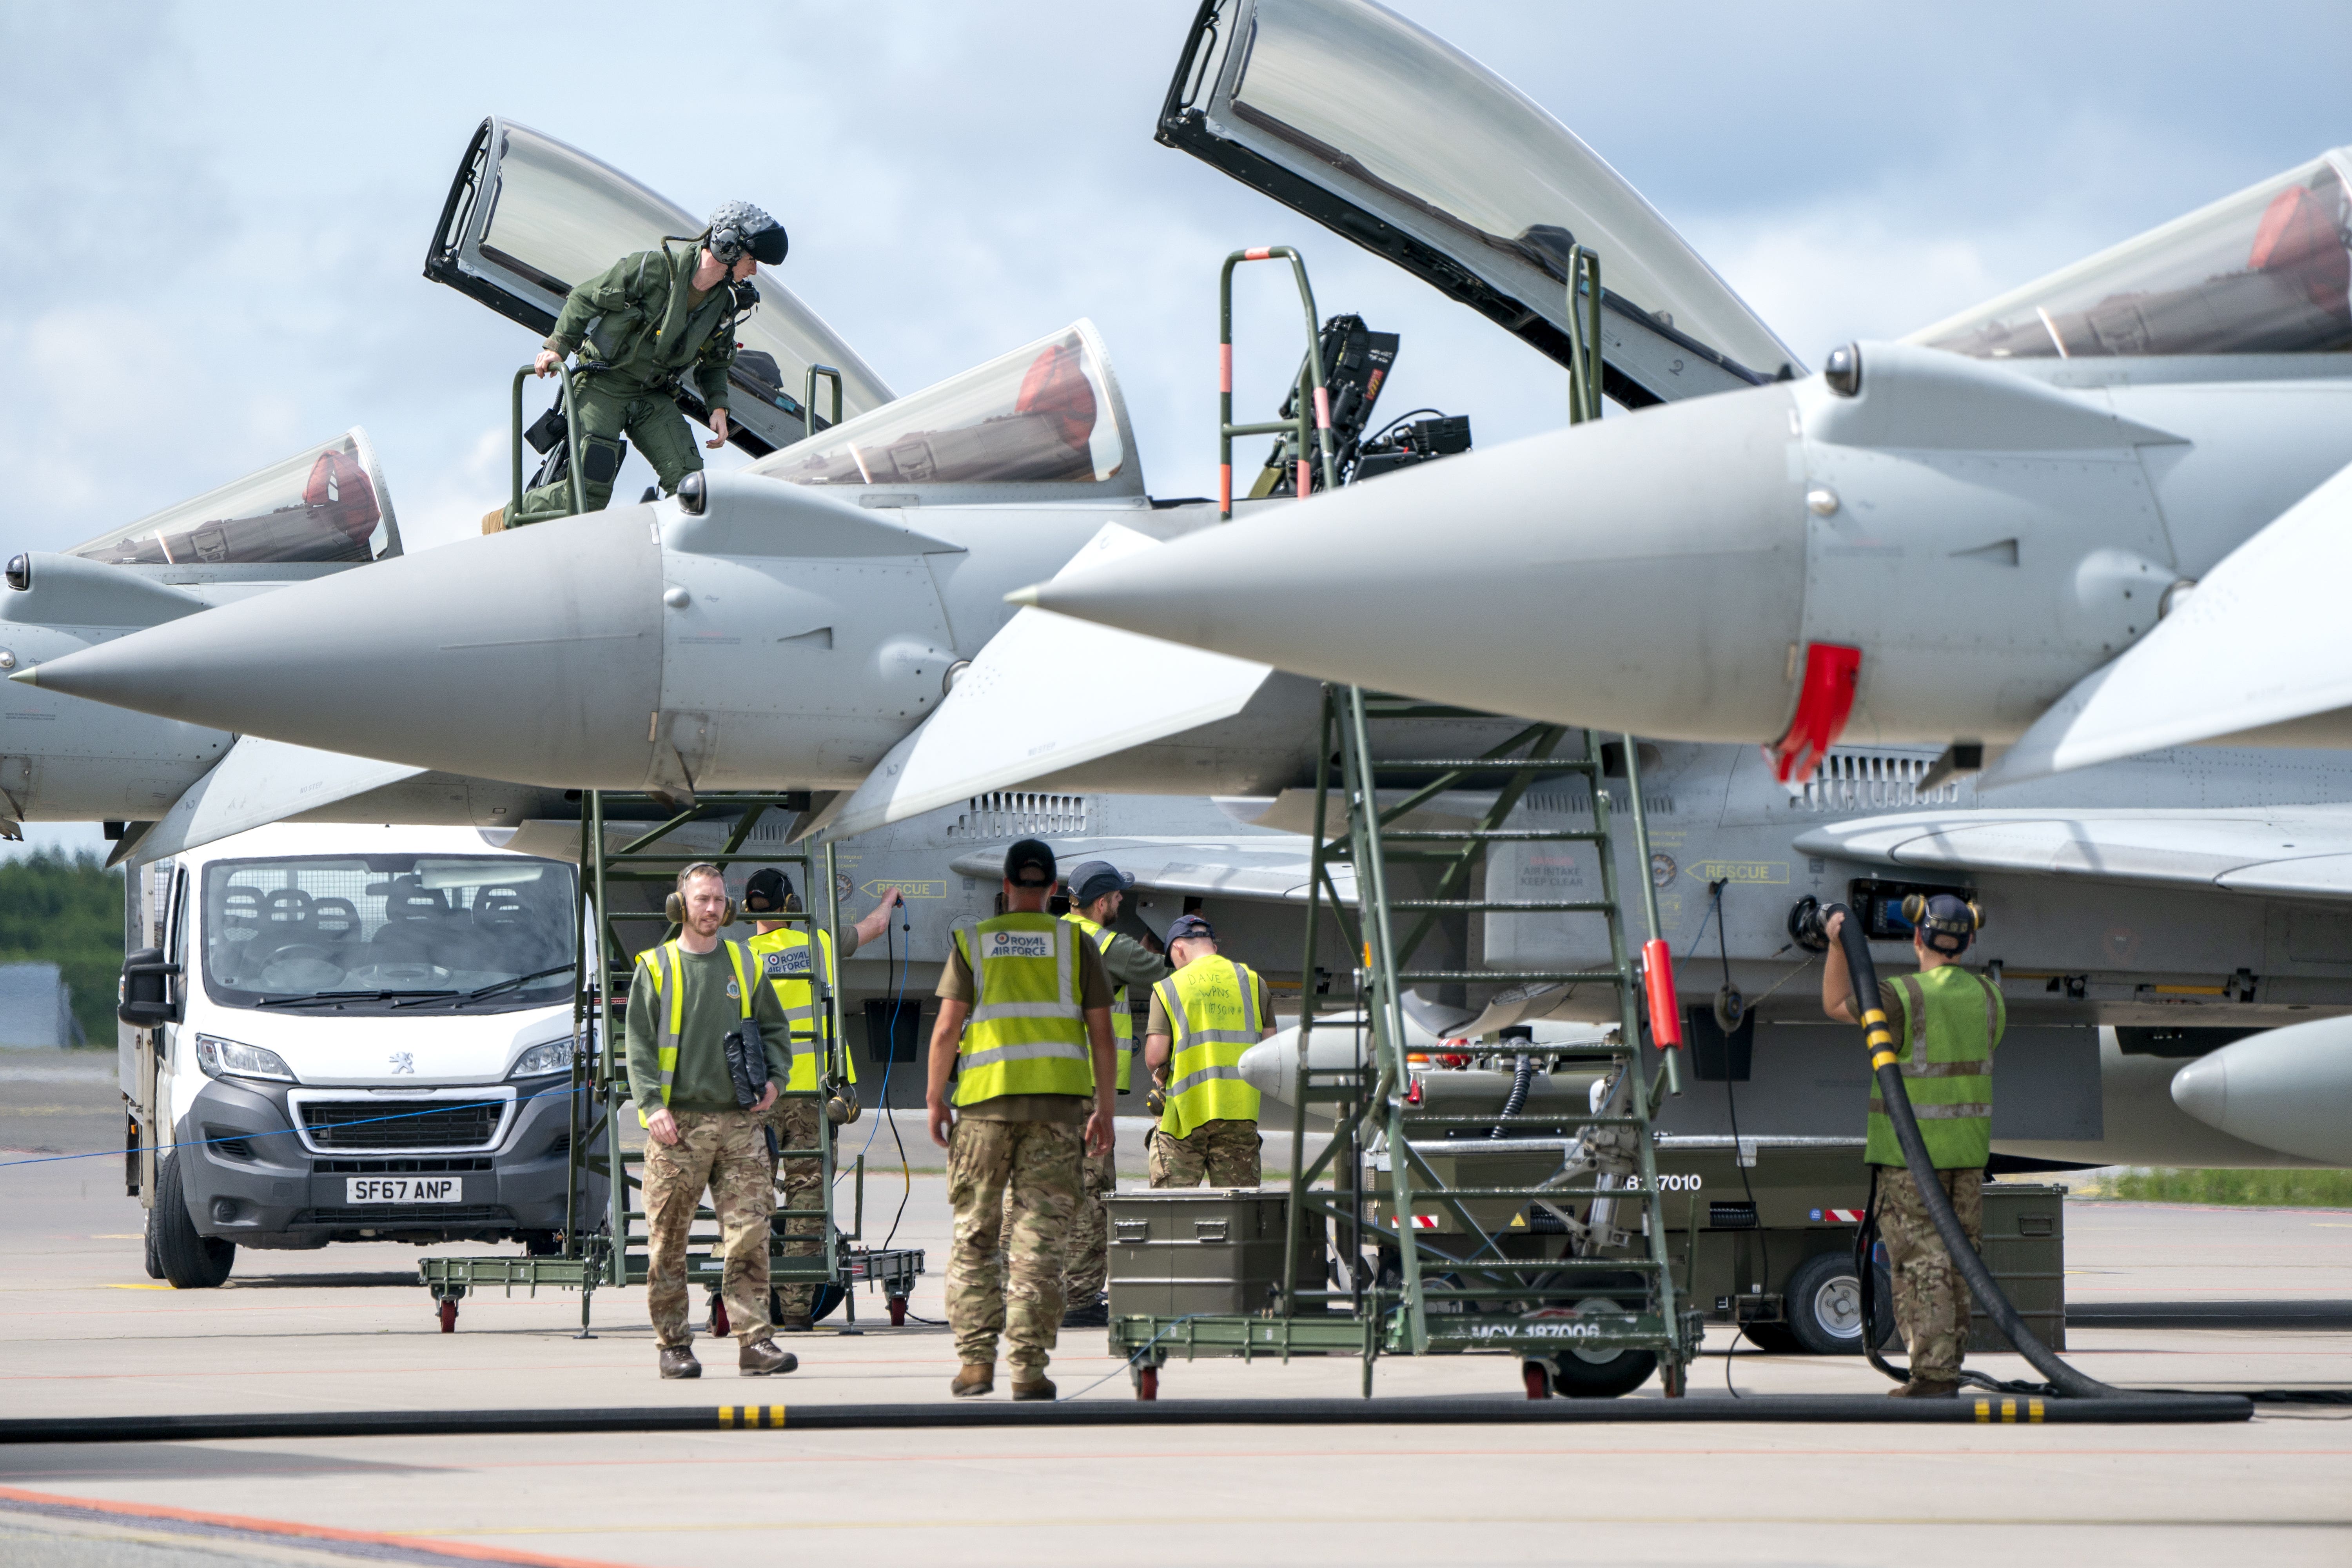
[66,911]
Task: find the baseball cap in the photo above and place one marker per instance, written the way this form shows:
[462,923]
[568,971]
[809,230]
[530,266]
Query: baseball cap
[1183,926]
[1090,880]
[1026,855]
[1947,924]
[768,889]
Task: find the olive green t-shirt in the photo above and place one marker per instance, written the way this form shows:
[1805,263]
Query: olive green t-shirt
[710,1015]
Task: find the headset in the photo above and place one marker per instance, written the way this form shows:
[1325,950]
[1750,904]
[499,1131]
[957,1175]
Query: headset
[674,906]
[1915,911]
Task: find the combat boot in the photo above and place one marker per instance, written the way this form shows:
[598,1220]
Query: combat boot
[761,1358]
[1037,1388]
[677,1361]
[1926,1388]
[973,1379]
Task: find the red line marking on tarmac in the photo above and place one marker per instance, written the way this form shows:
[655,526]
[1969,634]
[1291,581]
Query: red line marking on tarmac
[289,1530]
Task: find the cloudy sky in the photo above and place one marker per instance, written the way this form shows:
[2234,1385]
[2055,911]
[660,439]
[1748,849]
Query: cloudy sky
[219,214]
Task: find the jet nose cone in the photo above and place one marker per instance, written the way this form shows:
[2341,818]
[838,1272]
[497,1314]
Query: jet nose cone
[2202,1089]
[506,656]
[1644,574]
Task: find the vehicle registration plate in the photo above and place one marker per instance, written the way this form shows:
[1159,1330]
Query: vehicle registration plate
[404,1189]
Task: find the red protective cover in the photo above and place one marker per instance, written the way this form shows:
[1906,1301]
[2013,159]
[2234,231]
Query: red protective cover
[1658,984]
[1823,704]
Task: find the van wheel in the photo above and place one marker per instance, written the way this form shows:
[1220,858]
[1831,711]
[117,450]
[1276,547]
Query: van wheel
[154,1262]
[190,1262]
[1823,1302]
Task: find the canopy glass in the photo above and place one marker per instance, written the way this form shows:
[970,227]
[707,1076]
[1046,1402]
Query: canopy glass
[325,502]
[1400,125]
[2262,272]
[1048,413]
[529,217]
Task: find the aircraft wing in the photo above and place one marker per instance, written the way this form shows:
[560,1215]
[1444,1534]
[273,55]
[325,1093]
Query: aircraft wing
[1395,138]
[255,782]
[1270,865]
[2302,852]
[1046,694]
[2260,651]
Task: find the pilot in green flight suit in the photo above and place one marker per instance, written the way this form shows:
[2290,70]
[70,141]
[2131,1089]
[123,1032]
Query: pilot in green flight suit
[641,326]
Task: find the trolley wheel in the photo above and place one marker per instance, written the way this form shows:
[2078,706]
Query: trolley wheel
[898,1311]
[718,1318]
[1147,1383]
[448,1314]
[1538,1377]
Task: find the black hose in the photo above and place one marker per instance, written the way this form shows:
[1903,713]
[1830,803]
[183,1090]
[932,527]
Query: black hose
[1893,1093]
[1865,1269]
[1451,1410]
[1523,1077]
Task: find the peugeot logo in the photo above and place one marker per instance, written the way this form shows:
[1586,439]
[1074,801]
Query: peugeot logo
[403,1061]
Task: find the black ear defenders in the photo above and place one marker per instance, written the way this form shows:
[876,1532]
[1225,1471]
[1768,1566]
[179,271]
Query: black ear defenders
[673,910]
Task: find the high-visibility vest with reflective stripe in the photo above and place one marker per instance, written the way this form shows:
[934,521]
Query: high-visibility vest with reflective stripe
[1122,1019]
[655,963]
[1212,1003]
[783,955]
[1027,1033]
[1946,1023]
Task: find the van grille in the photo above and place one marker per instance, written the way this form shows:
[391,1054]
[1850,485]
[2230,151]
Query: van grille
[399,1124]
[427,1166]
[400,1217]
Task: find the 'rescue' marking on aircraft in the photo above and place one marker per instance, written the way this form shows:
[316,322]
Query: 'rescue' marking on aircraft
[1739,870]
[881,885]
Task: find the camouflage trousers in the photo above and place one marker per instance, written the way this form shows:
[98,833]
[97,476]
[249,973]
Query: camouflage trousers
[1086,1260]
[1931,1299]
[1014,1188]
[800,1184]
[722,1150]
[1222,1154]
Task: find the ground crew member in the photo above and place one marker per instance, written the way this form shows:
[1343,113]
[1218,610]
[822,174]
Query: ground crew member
[783,954]
[1025,1020]
[639,326]
[684,998]
[1946,1022]
[1097,890]
[1204,1018]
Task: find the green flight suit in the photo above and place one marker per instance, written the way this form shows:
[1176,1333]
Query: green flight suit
[639,329]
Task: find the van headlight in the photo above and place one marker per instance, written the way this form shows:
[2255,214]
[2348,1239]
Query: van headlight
[538,1062]
[226,1058]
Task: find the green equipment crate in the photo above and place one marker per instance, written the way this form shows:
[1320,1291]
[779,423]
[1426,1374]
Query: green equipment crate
[1178,1252]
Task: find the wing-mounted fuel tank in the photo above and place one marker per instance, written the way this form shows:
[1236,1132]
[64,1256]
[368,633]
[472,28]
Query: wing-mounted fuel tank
[529,218]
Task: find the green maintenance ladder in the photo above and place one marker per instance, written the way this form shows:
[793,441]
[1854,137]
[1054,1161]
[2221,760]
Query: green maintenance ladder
[587,1258]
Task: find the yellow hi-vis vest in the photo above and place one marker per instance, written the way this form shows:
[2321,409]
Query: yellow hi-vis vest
[1027,1033]
[652,964]
[1949,1021]
[1212,1003]
[1122,1018]
[783,954]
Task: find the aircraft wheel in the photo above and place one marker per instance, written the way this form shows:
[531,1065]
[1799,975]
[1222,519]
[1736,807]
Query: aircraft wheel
[189,1260]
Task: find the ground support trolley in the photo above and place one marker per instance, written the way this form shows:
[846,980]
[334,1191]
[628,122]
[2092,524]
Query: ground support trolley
[625,884]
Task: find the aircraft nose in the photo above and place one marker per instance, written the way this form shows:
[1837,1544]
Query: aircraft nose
[1643,573]
[467,658]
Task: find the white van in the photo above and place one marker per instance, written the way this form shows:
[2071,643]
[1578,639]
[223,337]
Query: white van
[341,1033]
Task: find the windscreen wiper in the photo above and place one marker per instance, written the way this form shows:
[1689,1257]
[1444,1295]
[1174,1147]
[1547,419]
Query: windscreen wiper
[316,997]
[455,1000]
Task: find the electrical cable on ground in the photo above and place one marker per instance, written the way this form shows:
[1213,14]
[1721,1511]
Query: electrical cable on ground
[1731,1100]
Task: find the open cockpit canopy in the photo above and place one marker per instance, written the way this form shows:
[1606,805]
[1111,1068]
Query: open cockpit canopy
[1402,143]
[528,217]
[325,503]
[1048,414]
[2262,272]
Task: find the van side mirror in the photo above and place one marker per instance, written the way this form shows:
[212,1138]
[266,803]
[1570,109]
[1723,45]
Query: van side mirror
[147,995]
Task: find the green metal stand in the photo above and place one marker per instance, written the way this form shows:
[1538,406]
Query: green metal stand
[1312,395]
[571,438]
[590,1258]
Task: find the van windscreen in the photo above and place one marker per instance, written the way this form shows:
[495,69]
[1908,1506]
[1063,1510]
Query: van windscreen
[377,932]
